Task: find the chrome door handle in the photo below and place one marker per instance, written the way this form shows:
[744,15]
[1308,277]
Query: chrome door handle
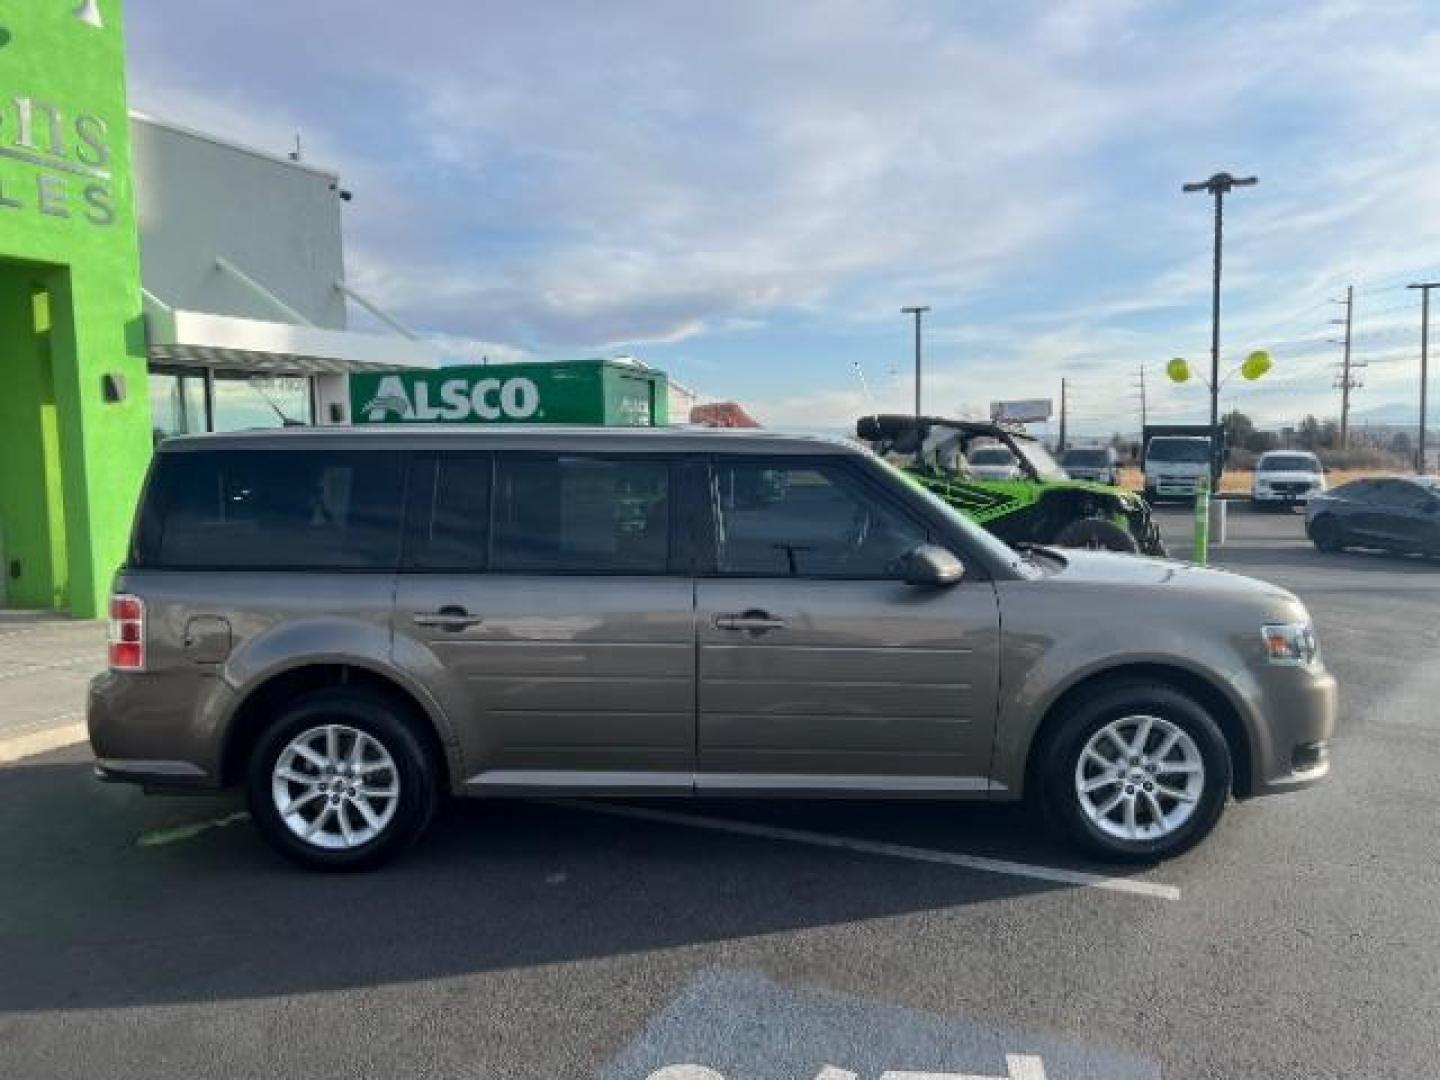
[753,621]
[448,620]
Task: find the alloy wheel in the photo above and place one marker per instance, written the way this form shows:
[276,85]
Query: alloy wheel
[1139,778]
[335,787]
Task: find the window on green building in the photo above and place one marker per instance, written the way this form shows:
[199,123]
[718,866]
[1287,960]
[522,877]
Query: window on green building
[260,401]
[177,403]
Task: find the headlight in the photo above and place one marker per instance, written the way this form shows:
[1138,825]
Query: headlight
[1290,643]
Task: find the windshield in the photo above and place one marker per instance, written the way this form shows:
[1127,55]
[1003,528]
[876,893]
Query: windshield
[1187,451]
[1086,458]
[1288,463]
[991,455]
[1039,459]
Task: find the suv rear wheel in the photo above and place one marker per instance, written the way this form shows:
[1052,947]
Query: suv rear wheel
[340,782]
[1136,772]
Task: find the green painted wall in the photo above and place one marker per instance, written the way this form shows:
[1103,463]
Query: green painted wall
[31,497]
[70,462]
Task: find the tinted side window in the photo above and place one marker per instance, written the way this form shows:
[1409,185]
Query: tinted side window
[805,521]
[601,515]
[274,509]
[1357,491]
[1399,495]
[454,512]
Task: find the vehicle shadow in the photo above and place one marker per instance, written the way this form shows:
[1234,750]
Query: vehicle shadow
[91,919]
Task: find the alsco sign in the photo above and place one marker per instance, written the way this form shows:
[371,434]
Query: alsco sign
[551,393]
[399,398]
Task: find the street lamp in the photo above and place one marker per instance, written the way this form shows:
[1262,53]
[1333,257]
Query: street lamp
[917,312]
[1218,185]
[1424,288]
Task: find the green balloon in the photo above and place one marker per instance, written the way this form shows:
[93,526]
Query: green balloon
[1256,365]
[1178,369]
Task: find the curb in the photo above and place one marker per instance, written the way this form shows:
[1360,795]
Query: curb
[20,747]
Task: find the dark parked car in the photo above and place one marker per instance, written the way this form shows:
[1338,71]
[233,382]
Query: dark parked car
[1396,513]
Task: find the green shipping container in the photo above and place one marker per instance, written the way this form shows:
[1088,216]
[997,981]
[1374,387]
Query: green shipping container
[601,392]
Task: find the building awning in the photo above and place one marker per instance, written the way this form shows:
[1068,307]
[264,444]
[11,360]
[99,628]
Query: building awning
[176,336]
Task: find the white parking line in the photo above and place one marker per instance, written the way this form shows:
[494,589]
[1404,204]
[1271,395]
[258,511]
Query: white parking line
[1079,878]
[18,747]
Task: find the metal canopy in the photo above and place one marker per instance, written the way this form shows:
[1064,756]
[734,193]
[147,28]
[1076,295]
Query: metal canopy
[176,336]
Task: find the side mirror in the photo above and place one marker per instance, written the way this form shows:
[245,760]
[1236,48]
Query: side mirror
[932,566]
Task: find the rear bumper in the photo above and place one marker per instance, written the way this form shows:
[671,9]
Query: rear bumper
[159,776]
[140,737]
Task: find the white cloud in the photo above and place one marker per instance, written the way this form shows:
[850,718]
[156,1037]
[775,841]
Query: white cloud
[567,179]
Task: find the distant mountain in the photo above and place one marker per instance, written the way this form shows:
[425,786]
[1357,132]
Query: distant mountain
[1393,413]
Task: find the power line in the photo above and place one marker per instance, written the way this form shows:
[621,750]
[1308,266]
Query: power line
[1391,282]
[1393,307]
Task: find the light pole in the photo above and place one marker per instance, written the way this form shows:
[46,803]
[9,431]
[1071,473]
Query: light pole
[1218,186]
[918,312]
[1424,288]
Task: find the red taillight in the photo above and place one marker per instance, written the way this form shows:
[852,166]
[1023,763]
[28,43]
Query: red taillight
[127,633]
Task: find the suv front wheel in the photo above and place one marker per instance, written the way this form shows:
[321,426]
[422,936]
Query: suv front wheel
[1136,772]
[340,782]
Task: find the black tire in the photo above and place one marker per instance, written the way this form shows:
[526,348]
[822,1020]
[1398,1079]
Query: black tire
[1096,533]
[1153,543]
[1326,534]
[415,771]
[1060,755]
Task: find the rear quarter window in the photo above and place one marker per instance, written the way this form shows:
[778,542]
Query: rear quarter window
[272,508]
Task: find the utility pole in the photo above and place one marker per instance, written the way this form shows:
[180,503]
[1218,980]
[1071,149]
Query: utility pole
[918,312]
[1347,381]
[1061,444]
[1218,185]
[1424,288]
[1144,404]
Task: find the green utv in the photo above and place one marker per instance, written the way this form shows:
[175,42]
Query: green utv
[1040,505]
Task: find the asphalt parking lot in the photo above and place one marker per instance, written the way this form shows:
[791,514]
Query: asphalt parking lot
[156,937]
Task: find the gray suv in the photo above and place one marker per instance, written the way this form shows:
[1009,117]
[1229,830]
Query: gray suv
[350,623]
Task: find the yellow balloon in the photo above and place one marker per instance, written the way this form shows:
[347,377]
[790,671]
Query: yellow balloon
[1178,369]
[1255,365]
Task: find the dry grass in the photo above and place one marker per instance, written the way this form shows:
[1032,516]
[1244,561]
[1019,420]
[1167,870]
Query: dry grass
[1238,481]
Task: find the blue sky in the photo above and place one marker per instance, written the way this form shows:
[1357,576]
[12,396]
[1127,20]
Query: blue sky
[746,193]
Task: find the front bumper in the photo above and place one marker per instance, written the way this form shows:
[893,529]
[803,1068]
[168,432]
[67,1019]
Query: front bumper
[1291,748]
[1172,489]
[1289,498]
